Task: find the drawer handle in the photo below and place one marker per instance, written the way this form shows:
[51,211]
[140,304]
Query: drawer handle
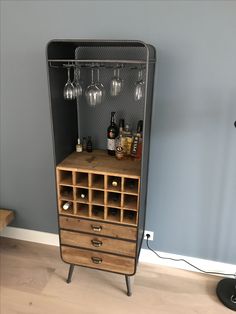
[96,260]
[96,243]
[96,228]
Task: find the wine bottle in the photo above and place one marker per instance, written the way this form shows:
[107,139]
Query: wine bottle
[83,194]
[120,140]
[112,133]
[140,142]
[89,145]
[67,206]
[114,183]
[127,140]
[136,148]
[84,143]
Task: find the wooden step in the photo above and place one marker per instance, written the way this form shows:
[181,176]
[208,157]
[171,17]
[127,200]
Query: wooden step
[6,216]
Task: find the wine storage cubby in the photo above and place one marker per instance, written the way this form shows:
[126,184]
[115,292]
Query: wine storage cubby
[131,185]
[97,212]
[114,183]
[97,181]
[69,210]
[82,195]
[81,179]
[82,210]
[95,196]
[66,177]
[66,193]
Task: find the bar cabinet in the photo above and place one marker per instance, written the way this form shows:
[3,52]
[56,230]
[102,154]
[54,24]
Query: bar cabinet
[104,228]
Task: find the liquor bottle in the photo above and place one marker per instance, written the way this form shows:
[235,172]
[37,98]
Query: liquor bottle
[127,140]
[67,206]
[136,148]
[84,144]
[120,140]
[89,145]
[140,142]
[112,133]
[121,126]
[79,148]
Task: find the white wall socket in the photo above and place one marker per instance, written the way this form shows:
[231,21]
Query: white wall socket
[151,235]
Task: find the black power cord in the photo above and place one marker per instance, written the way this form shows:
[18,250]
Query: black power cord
[183,260]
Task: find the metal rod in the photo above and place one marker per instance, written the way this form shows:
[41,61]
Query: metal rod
[101,61]
[127,279]
[71,269]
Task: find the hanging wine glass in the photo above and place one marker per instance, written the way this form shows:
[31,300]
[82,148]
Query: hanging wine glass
[139,87]
[93,94]
[116,83]
[68,91]
[76,83]
[100,86]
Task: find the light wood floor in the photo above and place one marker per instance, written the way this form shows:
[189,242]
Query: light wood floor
[33,281]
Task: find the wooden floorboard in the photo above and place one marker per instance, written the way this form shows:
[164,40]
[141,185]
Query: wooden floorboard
[32,280]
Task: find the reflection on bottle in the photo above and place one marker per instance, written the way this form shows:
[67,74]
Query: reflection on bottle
[67,206]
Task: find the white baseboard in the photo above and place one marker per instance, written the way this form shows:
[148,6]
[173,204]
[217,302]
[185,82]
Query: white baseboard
[30,235]
[146,256]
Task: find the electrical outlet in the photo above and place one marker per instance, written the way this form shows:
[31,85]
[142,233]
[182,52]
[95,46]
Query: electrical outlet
[151,233]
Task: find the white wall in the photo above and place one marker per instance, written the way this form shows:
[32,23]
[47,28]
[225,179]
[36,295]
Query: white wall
[192,182]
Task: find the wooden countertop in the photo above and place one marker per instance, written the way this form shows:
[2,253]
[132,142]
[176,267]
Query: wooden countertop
[100,161]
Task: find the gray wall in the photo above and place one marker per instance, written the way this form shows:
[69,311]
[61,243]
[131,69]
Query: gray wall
[192,182]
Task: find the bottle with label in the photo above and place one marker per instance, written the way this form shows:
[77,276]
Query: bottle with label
[120,140]
[89,145]
[79,148]
[84,144]
[140,142]
[112,133]
[127,141]
[67,206]
[136,148]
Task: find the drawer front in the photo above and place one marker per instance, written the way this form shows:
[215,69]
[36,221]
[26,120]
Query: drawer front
[103,261]
[98,228]
[95,242]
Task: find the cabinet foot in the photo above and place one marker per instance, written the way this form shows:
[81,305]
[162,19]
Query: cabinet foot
[128,286]
[71,269]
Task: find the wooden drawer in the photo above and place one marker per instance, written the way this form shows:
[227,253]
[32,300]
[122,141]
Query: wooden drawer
[103,261]
[99,228]
[98,243]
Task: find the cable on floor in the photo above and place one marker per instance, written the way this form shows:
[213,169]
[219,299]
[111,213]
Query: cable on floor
[183,260]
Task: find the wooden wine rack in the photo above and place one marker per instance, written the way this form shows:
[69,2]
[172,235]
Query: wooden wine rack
[105,221]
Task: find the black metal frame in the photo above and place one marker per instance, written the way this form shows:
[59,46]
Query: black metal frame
[127,279]
[64,117]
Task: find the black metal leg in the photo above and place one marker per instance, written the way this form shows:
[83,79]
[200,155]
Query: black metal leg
[71,269]
[127,279]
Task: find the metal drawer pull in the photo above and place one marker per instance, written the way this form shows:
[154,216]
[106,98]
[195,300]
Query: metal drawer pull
[96,260]
[96,228]
[96,243]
